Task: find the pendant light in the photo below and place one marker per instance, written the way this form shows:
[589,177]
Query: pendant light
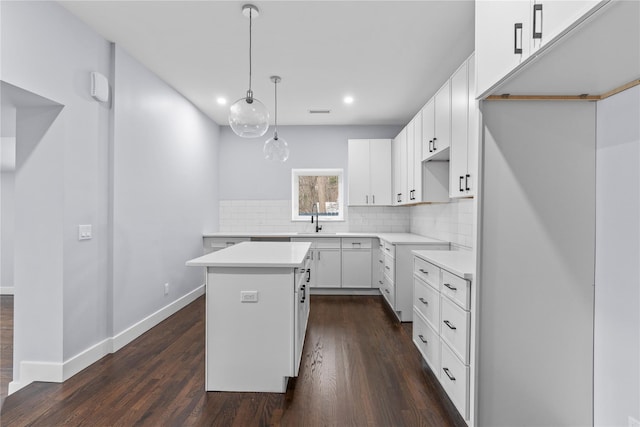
[248,117]
[276,149]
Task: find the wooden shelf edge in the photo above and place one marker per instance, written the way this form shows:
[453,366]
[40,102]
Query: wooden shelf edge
[585,97]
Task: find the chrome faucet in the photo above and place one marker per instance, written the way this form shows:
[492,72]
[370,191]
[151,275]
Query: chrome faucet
[318,226]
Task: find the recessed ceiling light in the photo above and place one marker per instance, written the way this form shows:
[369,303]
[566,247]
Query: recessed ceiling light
[222,100]
[348,99]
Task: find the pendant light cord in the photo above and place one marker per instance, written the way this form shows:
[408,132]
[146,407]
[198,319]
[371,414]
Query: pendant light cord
[275,85]
[250,21]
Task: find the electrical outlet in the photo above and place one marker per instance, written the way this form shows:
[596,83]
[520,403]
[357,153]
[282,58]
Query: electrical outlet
[633,422]
[248,296]
[166,289]
[85,232]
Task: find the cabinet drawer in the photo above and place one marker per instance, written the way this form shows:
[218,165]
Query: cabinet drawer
[454,377]
[388,291]
[390,267]
[212,244]
[427,341]
[456,288]
[427,301]
[454,328]
[427,272]
[327,243]
[356,243]
[389,249]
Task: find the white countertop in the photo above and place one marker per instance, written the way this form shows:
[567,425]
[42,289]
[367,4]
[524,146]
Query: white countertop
[256,254]
[460,263]
[393,238]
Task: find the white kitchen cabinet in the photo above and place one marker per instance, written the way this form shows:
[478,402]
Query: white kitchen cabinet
[398,274]
[369,172]
[326,262]
[213,244]
[464,132]
[442,322]
[399,154]
[509,32]
[356,263]
[436,125]
[414,159]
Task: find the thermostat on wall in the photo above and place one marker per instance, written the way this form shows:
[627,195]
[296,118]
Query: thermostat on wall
[99,87]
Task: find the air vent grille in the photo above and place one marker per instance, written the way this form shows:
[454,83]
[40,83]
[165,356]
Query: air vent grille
[319,111]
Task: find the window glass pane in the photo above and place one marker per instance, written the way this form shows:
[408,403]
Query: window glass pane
[323,191]
[317,190]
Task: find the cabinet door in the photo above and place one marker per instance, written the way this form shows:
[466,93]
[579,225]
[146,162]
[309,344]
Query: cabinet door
[409,168]
[500,44]
[473,132]
[428,128]
[356,271]
[551,17]
[459,132]
[380,171]
[359,172]
[417,158]
[328,268]
[400,168]
[442,137]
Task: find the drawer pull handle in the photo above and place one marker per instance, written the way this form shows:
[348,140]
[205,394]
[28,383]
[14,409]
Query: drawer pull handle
[387,267]
[380,261]
[422,339]
[386,290]
[422,300]
[446,371]
[380,281]
[446,322]
[387,249]
[450,287]
[423,271]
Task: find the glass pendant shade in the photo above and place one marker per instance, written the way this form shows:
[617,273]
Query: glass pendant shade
[276,149]
[249,118]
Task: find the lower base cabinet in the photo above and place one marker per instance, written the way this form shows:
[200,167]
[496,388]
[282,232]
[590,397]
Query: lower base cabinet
[442,309]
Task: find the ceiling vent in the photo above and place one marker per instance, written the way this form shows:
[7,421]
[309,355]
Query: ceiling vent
[319,111]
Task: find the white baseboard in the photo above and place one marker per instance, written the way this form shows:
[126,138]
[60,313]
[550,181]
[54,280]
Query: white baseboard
[6,290]
[60,372]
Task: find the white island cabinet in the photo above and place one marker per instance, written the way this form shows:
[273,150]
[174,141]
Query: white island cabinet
[256,315]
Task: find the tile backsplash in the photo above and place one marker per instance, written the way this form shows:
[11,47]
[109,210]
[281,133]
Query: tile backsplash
[452,222]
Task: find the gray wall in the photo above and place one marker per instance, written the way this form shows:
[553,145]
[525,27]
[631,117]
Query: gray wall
[246,175]
[165,193]
[536,273]
[617,305]
[143,174]
[63,181]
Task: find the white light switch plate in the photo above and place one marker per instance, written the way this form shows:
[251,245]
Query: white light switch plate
[85,232]
[248,296]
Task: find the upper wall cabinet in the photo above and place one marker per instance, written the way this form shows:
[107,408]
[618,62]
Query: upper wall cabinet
[463,163]
[414,159]
[399,155]
[369,172]
[509,32]
[436,125]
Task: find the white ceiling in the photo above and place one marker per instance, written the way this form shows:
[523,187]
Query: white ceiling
[391,56]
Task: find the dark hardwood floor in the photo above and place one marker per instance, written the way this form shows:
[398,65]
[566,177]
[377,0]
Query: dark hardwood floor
[6,344]
[359,368]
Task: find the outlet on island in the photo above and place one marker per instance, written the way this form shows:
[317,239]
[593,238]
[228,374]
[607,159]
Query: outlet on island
[166,289]
[248,296]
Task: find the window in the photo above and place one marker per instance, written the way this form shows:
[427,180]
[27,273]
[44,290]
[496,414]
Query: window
[319,188]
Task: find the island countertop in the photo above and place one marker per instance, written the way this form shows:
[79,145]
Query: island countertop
[256,254]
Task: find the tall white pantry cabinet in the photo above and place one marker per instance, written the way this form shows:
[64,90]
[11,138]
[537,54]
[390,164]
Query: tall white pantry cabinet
[537,202]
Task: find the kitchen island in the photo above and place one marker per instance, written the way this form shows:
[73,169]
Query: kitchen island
[256,315]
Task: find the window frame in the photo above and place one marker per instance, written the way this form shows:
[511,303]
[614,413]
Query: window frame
[295,183]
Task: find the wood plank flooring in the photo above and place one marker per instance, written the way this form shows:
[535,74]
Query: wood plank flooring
[359,368]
